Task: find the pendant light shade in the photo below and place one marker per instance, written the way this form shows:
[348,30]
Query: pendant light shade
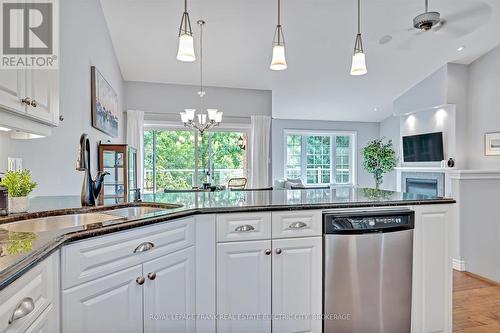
[278,61]
[358,66]
[185,51]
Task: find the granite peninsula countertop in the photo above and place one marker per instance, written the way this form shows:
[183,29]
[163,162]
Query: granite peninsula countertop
[23,244]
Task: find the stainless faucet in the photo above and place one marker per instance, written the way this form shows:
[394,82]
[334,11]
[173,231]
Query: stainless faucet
[91,187]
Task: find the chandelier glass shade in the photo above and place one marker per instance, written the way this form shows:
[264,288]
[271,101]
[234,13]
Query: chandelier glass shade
[201,121]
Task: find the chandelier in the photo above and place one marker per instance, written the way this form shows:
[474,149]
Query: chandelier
[201,121]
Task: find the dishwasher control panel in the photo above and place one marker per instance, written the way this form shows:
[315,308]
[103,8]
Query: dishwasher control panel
[367,221]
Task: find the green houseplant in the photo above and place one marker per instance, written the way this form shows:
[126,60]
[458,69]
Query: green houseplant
[379,158]
[19,185]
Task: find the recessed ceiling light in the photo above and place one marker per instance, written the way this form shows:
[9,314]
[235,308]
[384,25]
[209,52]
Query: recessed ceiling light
[375,109]
[461,48]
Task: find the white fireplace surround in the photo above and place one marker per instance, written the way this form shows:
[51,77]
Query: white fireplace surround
[442,175]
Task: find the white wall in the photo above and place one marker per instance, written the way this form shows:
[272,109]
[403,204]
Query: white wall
[390,129]
[484,108]
[84,42]
[171,99]
[365,133]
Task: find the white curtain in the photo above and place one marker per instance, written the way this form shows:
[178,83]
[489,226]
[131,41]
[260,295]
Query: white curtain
[135,138]
[260,146]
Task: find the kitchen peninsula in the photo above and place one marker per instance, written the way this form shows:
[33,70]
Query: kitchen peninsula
[178,261]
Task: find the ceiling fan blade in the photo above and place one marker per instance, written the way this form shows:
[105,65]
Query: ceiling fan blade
[480,11]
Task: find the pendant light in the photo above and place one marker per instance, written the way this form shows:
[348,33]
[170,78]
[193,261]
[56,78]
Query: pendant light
[201,121]
[278,62]
[185,51]
[358,58]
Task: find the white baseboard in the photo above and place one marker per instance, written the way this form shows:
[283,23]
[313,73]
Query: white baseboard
[459,265]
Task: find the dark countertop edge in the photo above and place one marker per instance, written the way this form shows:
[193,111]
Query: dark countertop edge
[13,272]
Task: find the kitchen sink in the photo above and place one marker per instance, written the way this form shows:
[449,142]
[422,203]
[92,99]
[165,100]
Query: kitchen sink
[59,222]
[138,211]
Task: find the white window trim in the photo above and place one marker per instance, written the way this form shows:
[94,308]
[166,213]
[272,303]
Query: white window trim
[174,126]
[353,166]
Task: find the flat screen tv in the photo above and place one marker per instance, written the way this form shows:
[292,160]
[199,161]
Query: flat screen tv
[423,148]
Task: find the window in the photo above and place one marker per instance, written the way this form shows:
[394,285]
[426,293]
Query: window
[320,158]
[181,159]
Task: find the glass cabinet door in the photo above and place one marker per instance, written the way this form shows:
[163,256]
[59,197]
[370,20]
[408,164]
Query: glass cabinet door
[132,173]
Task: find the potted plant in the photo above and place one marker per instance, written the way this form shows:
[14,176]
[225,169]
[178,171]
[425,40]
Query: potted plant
[379,158]
[19,185]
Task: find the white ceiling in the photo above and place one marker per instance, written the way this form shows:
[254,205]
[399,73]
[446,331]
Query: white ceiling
[320,37]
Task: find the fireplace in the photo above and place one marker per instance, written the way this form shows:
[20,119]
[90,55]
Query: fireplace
[422,186]
[428,183]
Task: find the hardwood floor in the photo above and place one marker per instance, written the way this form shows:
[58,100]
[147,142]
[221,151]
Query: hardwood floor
[476,305]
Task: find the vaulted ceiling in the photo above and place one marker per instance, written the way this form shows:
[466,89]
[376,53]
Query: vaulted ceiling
[320,38]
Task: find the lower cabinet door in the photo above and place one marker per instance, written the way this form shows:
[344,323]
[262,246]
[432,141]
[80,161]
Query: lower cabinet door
[297,285]
[244,287]
[169,293]
[109,304]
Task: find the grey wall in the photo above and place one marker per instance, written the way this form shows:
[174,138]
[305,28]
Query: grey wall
[365,133]
[84,42]
[173,98]
[484,108]
[390,129]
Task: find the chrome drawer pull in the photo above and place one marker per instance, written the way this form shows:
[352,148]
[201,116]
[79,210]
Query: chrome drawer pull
[244,228]
[146,246]
[297,225]
[24,308]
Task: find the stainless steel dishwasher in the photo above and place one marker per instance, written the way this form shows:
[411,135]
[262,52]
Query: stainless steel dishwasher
[367,271]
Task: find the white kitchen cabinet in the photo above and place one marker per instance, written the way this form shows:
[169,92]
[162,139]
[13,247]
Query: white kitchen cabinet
[115,283]
[109,304]
[11,82]
[432,271]
[38,287]
[244,286]
[171,277]
[297,284]
[42,88]
[47,322]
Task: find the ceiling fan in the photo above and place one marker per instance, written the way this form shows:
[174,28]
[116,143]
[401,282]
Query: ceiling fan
[456,24]
[428,20]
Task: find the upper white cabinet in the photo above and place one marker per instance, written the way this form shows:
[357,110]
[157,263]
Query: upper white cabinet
[42,88]
[10,89]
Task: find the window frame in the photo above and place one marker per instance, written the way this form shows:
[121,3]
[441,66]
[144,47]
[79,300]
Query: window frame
[173,126]
[333,161]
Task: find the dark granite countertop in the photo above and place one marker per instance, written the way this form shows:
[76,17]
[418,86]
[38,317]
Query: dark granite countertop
[23,244]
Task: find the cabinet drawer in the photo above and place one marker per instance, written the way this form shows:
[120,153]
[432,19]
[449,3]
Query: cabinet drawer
[243,226]
[297,223]
[37,286]
[89,259]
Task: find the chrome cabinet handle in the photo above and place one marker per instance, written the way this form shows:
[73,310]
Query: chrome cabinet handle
[23,308]
[152,275]
[143,247]
[278,251]
[34,103]
[244,228]
[26,100]
[297,225]
[267,252]
[140,280]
